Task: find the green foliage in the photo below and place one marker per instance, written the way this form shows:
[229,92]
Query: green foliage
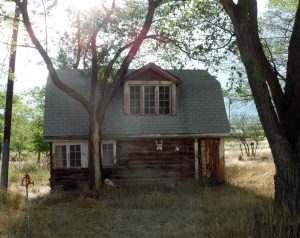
[27,121]
[36,101]
[63,61]
[284,4]
[20,130]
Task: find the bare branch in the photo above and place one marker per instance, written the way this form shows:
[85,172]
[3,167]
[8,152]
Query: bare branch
[102,105]
[46,26]
[53,74]
[78,39]
[17,45]
[273,63]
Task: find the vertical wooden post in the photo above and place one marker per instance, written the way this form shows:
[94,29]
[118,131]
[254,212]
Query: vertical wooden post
[51,166]
[221,162]
[196,154]
[9,99]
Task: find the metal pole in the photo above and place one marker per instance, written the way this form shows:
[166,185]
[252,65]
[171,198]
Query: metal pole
[26,182]
[8,102]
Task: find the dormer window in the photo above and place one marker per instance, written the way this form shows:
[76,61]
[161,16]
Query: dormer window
[145,99]
[149,100]
[164,100]
[150,91]
[135,100]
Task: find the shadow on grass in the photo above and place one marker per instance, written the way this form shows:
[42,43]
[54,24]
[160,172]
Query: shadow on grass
[186,211]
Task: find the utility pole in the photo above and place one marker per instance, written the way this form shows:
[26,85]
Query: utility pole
[9,99]
[229,107]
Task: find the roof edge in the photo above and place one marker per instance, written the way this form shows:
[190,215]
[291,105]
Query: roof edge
[157,69]
[142,136]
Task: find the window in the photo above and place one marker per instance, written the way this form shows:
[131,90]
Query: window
[164,100]
[75,155]
[61,155]
[149,99]
[70,155]
[108,153]
[135,101]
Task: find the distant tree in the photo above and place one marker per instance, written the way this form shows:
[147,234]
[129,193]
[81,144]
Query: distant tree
[21,129]
[36,103]
[249,133]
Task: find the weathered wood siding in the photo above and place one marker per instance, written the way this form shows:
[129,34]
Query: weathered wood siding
[138,161]
[213,164]
[62,175]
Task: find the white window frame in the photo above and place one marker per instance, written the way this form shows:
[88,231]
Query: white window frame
[156,84]
[113,142]
[83,156]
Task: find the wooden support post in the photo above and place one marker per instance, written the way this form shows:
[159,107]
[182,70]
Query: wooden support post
[221,162]
[196,154]
[8,101]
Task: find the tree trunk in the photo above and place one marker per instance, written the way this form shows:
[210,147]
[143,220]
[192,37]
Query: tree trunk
[272,105]
[39,158]
[95,152]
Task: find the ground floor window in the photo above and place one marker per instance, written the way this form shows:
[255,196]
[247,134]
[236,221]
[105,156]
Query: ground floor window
[70,155]
[108,153]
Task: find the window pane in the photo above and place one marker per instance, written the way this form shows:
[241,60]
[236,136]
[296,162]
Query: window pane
[61,155]
[149,100]
[135,92]
[164,100]
[108,154]
[75,155]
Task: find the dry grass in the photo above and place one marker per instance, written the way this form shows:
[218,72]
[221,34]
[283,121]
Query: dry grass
[241,208]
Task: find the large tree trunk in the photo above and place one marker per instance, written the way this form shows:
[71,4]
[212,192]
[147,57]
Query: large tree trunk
[95,152]
[273,108]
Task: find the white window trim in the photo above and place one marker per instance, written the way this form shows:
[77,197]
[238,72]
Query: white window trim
[114,150]
[143,84]
[84,154]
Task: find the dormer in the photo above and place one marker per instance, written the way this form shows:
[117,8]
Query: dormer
[150,91]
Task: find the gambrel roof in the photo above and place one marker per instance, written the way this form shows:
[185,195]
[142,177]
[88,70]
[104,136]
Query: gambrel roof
[200,110]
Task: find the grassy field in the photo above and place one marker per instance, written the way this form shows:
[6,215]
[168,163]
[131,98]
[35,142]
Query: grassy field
[241,208]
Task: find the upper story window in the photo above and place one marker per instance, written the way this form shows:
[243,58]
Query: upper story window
[150,98]
[135,101]
[164,100]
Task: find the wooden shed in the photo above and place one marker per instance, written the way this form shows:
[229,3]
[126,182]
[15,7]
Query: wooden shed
[162,126]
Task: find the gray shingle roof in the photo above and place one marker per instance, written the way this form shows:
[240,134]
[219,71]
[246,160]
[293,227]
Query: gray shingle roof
[200,110]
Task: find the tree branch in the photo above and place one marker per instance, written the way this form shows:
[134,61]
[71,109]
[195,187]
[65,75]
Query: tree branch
[53,74]
[78,39]
[103,104]
[229,6]
[95,60]
[17,45]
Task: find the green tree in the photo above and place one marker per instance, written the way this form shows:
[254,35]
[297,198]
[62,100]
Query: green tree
[118,54]
[21,129]
[36,103]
